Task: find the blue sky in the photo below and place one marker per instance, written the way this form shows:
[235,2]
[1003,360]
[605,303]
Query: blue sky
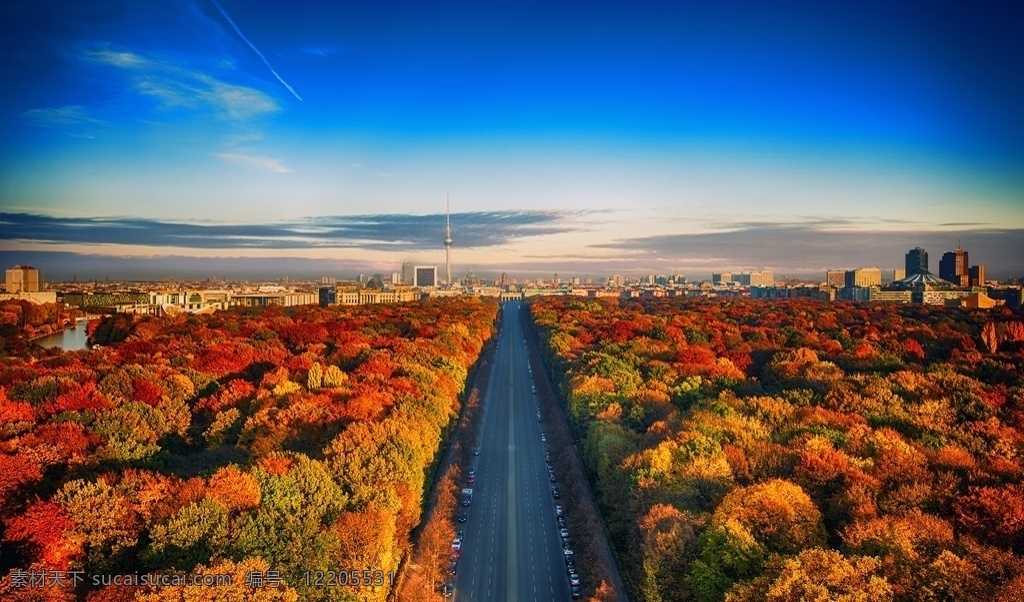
[572,137]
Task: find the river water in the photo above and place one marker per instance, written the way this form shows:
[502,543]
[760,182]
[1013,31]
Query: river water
[69,339]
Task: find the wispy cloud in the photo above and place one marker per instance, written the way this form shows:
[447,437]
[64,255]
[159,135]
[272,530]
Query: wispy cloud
[257,162]
[254,49]
[321,51]
[60,116]
[387,232]
[175,86]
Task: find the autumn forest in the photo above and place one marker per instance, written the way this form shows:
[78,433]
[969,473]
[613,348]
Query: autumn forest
[738,450]
[280,442]
[788,451]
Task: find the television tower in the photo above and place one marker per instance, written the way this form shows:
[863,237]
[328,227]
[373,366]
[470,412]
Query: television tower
[448,241]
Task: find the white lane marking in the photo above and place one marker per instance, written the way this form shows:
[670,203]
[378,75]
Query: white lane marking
[511,565]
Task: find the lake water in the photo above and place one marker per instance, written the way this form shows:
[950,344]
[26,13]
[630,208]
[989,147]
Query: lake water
[71,339]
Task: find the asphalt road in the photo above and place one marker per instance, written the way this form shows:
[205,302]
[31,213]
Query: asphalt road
[512,549]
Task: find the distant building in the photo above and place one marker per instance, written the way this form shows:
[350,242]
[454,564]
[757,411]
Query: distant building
[755,278]
[283,298]
[916,261]
[835,278]
[979,301]
[938,296]
[898,274]
[328,296]
[23,279]
[408,274]
[864,277]
[425,276]
[822,292]
[954,267]
[855,293]
[721,277]
[1012,295]
[976,276]
[37,297]
[876,294]
[122,302]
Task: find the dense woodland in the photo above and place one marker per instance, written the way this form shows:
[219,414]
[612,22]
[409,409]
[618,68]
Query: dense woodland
[744,451]
[282,439]
[21,321]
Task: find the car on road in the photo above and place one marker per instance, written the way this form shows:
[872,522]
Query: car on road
[463,517]
[574,579]
[575,592]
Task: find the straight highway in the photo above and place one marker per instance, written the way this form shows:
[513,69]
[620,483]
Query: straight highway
[512,549]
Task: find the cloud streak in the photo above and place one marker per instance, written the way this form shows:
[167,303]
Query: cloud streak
[386,232]
[60,116]
[177,87]
[802,247]
[254,49]
[268,164]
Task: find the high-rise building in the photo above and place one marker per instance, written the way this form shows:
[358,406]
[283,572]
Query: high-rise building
[954,267]
[22,279]
[721,277]
[426,276]
[835,278]
[448,242]
[755,278]
[916,261]
[864,277]
[408,273]
[977,275]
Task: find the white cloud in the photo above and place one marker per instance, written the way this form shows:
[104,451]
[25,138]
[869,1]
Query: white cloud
[262,163]
[175,86]
[60,116]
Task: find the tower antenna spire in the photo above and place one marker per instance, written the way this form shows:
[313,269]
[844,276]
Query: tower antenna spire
[448,239]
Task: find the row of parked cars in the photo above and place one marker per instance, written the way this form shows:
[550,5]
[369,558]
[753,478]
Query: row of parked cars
[563,526]
[466,499]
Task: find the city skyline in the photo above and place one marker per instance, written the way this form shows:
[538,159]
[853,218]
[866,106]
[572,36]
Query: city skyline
[232,138]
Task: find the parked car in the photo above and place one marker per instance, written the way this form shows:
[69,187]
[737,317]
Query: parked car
[559,510]
[555,493]
[575,592]
[476,451]
[449,588]
[463,517]
[574,579]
